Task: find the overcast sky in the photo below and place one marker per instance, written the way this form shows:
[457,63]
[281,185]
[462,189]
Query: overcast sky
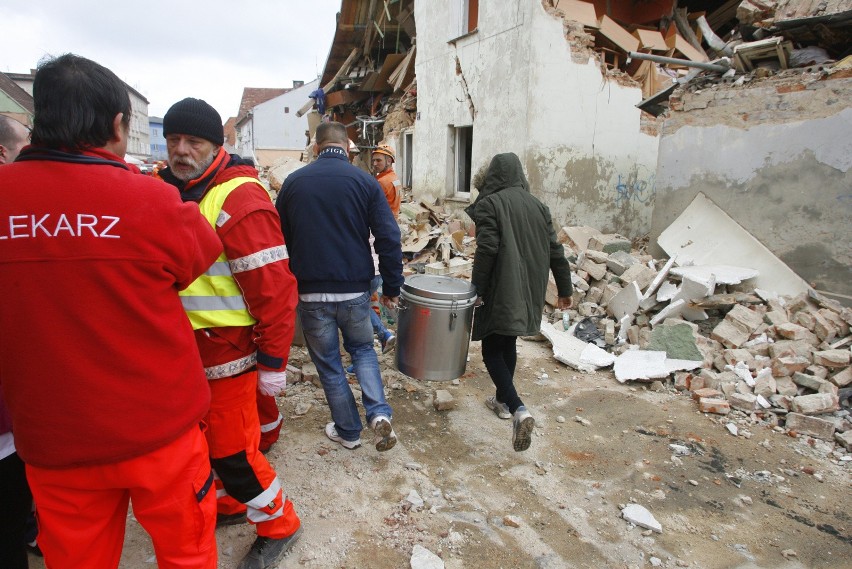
[168,50]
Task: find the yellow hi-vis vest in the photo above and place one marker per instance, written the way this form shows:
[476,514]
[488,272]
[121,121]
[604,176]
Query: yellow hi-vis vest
[214,299]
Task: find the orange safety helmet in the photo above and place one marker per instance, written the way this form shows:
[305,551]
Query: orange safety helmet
[386,150]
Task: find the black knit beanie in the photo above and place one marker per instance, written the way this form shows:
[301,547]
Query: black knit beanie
[194,117]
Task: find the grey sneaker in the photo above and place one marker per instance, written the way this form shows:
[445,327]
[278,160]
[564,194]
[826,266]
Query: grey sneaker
[331,432]
[385,437]
[522,428]
[267,552]
[500,409]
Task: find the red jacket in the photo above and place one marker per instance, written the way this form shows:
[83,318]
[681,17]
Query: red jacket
[98,359]
[269,290]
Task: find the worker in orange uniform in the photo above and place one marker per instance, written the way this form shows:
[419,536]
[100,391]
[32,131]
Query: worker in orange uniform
[382,160]
[100,371]
[243,313]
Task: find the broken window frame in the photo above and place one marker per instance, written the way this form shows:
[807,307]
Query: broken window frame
[406,158]
[461,153]
[465,17]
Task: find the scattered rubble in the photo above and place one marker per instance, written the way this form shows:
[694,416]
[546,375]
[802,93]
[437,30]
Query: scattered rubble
[700,328]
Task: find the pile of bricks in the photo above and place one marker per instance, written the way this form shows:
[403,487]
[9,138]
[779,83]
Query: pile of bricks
[782,360]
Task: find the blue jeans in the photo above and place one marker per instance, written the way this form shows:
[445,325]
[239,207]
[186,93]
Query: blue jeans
[378,328]
[320,322]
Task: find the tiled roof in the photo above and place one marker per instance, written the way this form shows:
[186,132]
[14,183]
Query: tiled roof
[16,93]
[253,96]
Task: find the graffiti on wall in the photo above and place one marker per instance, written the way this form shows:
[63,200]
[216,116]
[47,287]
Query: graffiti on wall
[640,186]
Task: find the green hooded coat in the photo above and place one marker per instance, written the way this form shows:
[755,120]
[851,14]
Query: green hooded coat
[516,246]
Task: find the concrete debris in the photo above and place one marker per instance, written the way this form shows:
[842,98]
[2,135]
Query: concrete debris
[710,275]
[574,352]
[511,521]
[768,352]
[422,558]
[443,400]
[640,516]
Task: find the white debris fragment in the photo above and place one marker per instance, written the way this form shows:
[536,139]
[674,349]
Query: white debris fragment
[723,274]
[732,428]
[422,558]
[638,515]
[414,499]
[680,449]
[742,372]
[640,364]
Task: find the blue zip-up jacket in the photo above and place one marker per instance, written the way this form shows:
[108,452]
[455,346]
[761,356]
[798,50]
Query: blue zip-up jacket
[328,210]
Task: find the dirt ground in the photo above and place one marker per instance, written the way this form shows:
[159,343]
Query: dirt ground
[764,500]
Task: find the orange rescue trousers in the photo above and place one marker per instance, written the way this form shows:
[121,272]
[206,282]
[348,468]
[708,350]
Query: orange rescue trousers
[270,420]
[82,512]
[245,481]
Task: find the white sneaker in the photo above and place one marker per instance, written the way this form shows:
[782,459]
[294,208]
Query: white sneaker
[522,428]
[500,409]
[385,437]
[331,432]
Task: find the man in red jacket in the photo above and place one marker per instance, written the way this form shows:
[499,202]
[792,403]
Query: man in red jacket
[243,313]
[100,370]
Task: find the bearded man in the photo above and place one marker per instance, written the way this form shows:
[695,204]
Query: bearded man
[243,313]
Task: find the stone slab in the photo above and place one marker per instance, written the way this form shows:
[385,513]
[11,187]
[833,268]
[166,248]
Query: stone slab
[705,234]
[677,341]
[625,302]
[572,351]
[640,364]
[813,426]
[815,404]
[640,516]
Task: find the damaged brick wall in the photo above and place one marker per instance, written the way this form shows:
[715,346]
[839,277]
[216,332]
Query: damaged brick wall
[775,154]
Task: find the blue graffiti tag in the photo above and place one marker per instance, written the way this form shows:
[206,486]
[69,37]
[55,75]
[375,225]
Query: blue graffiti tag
[643,191]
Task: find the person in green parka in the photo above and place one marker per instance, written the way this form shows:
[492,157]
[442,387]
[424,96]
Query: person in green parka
[516,247]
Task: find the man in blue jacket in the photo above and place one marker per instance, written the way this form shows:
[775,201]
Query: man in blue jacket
[328,210]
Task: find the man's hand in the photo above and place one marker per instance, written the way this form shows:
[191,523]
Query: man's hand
[271,382]
[390,302]
[564,302]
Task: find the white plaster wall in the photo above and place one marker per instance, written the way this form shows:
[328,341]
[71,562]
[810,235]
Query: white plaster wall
[586,152]
[577,134]
[275,129]
[494,63]
[786,183]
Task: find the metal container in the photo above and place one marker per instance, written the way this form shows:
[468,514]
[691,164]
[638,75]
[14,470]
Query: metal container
[433,329]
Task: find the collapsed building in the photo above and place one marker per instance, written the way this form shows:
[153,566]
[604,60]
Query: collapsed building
[695,153]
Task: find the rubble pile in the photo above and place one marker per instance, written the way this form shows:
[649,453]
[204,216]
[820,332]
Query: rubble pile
[741,352]
[721,41]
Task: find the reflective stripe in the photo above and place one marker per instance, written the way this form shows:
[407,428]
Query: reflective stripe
[259,259]
[219,269]
[254,508]
[213,302]
[271,426]
[231,368]
[214,299]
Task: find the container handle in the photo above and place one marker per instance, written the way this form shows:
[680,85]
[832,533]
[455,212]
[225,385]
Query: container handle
[453,315]
[401,305]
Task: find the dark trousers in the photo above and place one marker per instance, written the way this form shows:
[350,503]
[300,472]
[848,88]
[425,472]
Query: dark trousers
[15,504]
[500,357]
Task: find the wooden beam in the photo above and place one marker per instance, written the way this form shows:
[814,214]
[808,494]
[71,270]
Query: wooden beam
[344,69]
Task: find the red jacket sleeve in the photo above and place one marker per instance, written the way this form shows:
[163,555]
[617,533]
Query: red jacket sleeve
[254,245]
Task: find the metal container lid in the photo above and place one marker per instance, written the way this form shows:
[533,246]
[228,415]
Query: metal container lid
[438,287]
